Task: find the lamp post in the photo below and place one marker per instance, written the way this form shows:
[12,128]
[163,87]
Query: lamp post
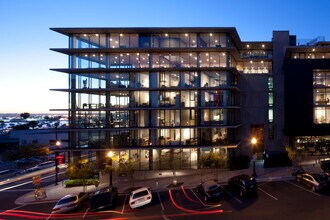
[57,144]
[254,142]
[110,155]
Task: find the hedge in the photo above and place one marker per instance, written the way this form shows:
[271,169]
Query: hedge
[79,182]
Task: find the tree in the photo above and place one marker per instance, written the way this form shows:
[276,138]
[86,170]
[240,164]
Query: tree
[25,115]
[128,167]
[213,160]
[295,155]
[33,124]
[82,170]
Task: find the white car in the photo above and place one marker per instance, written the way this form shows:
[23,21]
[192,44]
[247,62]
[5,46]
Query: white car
[69,202]
[140,197]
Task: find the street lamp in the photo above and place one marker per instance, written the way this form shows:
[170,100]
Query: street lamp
[254,142]
[57,144]
[110,155]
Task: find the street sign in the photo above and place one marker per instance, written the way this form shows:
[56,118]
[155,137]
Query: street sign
[60,159]
[36,180]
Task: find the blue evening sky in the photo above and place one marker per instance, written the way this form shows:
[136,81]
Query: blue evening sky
[25,38]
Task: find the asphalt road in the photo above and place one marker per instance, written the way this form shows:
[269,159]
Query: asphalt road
[275,200]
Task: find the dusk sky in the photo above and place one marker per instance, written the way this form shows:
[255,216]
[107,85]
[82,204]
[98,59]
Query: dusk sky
[25,39]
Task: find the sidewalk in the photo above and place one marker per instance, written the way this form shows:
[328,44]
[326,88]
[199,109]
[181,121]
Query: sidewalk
[161,180]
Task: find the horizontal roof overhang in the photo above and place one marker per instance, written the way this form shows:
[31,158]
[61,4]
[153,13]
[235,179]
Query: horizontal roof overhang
[109,70]
[231,145]
[149,30]
[150,128]
[306,49]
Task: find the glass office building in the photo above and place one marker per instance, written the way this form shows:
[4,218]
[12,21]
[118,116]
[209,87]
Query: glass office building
[164,97]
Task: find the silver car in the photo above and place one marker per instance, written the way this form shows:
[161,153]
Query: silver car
[314,180]
[69,202]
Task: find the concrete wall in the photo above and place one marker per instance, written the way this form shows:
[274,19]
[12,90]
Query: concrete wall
[280,43]
[254,107]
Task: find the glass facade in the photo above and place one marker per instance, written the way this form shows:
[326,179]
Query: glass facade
[163,99]
[321,83]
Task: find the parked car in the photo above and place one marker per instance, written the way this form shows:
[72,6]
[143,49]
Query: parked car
[69,202]
[104,198]
[314,180]
[243,184]
[210,190]
[40,166]
[140,197]
[298,171]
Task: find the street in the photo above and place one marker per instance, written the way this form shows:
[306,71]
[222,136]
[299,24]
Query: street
[275,200]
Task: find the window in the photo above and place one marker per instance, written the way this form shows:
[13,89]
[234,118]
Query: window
[321,82]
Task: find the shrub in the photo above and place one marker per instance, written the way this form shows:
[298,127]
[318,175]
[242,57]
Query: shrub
[80,182]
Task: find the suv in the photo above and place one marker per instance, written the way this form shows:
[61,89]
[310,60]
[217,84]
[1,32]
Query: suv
[243,184]
[210,190]
[104,198]
[314,180]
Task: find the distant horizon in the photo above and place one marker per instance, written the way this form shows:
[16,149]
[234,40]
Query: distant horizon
[26,58]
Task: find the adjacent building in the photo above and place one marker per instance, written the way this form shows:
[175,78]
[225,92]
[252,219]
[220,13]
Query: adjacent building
[165,97]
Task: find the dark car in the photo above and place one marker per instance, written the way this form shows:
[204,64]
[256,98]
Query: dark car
[210,190]
[104,199]
[314,180]
[243,184]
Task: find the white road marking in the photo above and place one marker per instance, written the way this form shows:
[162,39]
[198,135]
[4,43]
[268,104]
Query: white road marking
[122,210]
[303,188]
[19,190]
[268,194]
[18,207]
[197,197]
[160,201]
[21,184]
[86,213]
[206,205]
[49,216]
[231,195]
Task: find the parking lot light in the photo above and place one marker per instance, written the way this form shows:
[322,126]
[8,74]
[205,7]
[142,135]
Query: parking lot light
[254,143]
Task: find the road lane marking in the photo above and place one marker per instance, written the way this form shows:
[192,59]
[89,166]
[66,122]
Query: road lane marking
[19,190]
[231,195]
[197,197]
[268,194]
[122,211]
[21,184]
[184,192]
[161,204]
[49,216]
[86,213]
[303,188]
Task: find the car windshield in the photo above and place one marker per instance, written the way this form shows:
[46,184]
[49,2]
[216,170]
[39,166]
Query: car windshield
[140,194]
[249,183]
[67,200]
[213,187]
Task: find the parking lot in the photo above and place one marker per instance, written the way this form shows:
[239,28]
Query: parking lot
[275,200]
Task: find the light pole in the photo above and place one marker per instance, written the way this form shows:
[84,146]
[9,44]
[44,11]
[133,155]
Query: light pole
[110,155]
[57,144]
[254,142]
